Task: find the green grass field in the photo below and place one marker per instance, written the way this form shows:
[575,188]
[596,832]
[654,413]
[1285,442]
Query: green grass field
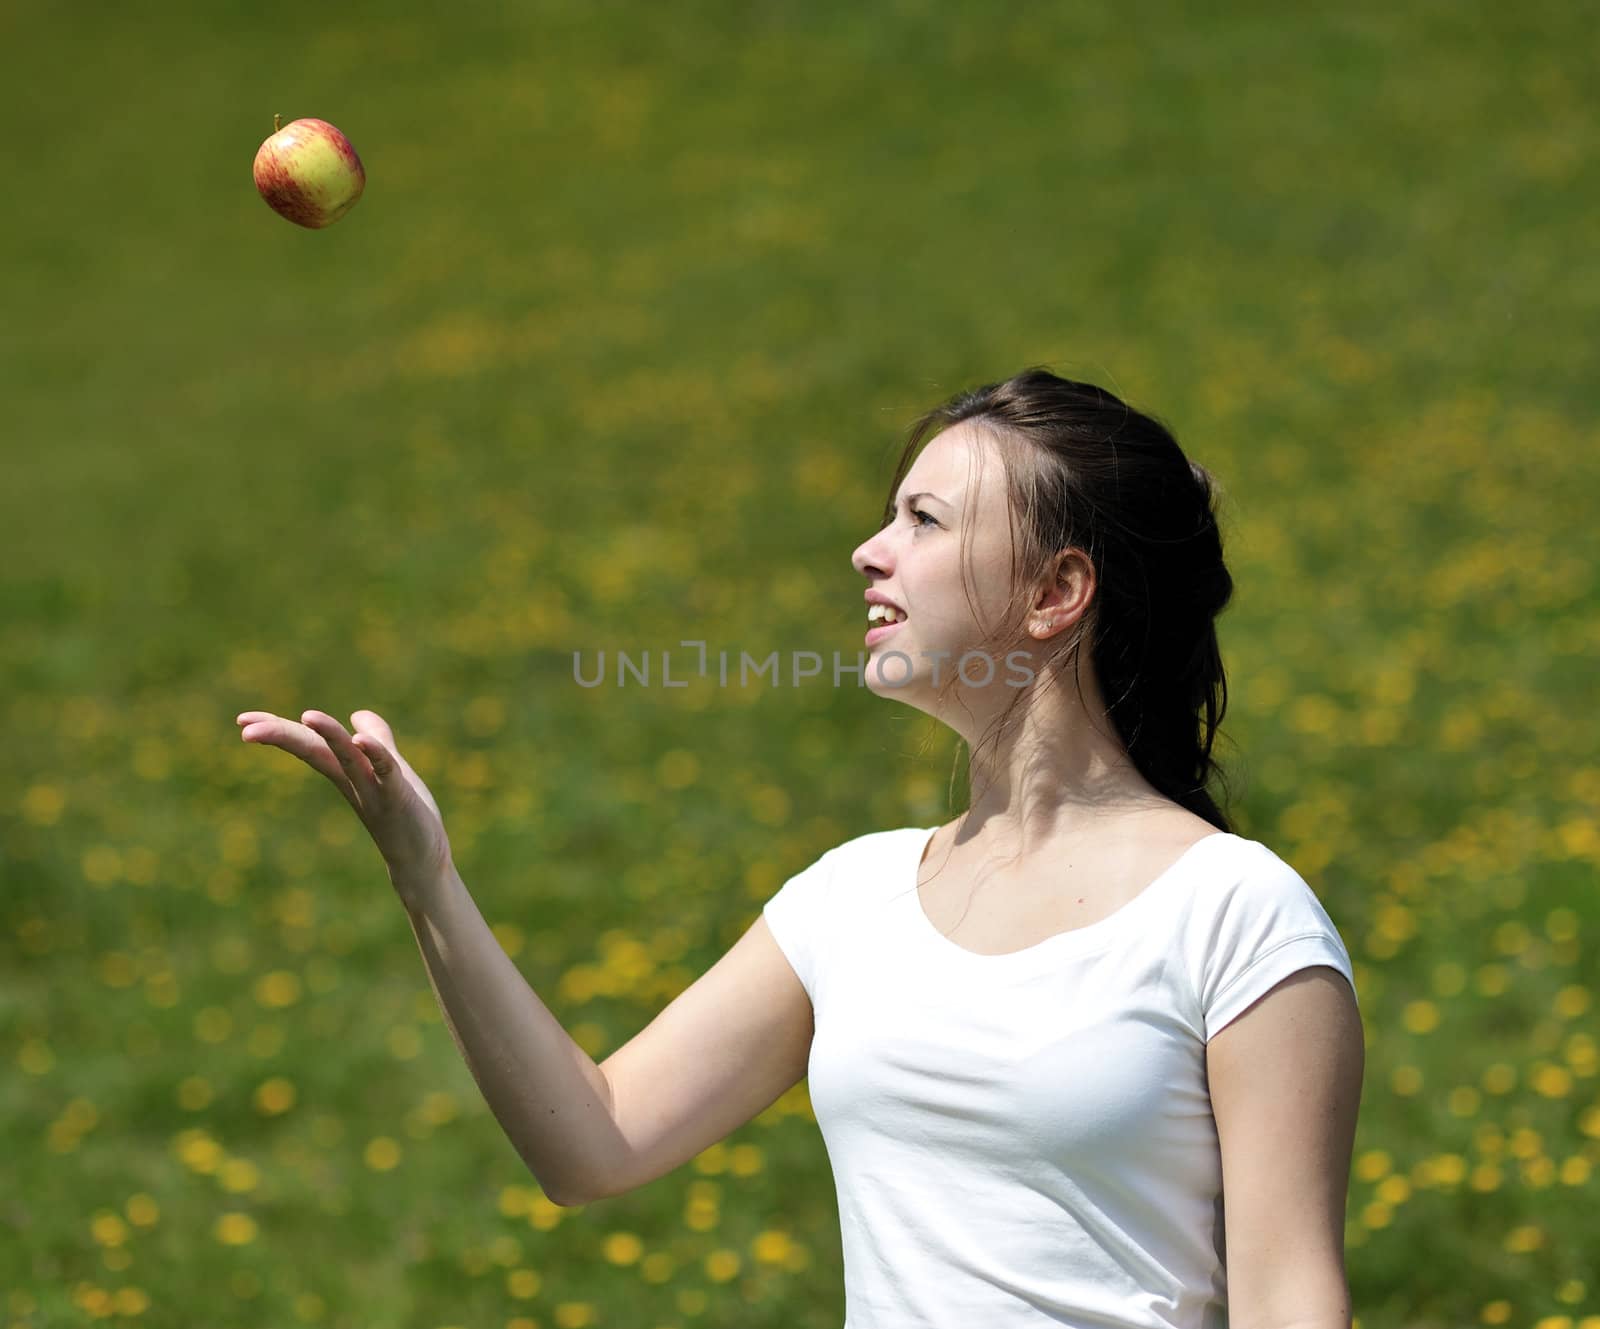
[614,353]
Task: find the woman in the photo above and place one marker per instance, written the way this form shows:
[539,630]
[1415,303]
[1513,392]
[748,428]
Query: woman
[1045,1041]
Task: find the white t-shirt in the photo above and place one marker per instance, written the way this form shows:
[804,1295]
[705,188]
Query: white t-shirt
[1027,1139]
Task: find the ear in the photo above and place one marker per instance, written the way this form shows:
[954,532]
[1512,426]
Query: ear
[1065,597]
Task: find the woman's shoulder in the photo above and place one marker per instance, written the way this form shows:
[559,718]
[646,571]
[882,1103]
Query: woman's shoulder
[1180,830]
[1239,872]
[891,842]
[872,848]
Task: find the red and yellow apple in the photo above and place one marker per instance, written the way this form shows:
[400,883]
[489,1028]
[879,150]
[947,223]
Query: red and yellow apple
[308,172]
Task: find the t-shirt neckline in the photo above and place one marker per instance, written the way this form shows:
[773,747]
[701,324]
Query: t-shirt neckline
[1089,937]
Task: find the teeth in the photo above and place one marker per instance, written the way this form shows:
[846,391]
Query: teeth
[884,613]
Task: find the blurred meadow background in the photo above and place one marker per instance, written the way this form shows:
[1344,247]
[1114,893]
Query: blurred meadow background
[615,353]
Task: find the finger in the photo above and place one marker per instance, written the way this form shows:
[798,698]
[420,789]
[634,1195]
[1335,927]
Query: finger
[370,732]
[264,727]
[375,735]
[246,720]
[338,739]
[301,741]
[383,762]
[351,758]
[370,722]
[295,739]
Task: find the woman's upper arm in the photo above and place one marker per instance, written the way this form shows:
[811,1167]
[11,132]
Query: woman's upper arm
[727,1047]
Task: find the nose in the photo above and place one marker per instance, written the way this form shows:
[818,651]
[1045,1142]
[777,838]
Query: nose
[870,558]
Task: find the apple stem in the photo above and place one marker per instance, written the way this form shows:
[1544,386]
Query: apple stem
[277,122]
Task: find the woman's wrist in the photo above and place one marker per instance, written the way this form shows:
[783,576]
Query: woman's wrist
[422,889]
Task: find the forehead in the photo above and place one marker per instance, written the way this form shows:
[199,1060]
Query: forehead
[960,466]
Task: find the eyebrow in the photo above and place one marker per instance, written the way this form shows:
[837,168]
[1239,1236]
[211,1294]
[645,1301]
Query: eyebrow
[912,498]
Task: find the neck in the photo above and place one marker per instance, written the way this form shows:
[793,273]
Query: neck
[1060,773]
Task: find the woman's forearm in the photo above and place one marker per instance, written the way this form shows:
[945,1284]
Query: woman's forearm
[547,1093]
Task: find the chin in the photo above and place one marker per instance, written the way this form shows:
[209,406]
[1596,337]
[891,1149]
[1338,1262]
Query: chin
[903,677]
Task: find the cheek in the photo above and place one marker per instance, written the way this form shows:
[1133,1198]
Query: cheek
[988,589]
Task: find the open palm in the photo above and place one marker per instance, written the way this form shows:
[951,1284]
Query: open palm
[367,768]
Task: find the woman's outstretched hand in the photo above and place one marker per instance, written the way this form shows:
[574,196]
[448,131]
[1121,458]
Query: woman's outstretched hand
[367,768]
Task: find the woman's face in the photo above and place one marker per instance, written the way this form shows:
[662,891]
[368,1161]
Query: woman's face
[955,489]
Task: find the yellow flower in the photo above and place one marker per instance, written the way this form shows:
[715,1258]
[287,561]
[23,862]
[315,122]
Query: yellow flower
[746,1160]
[278,989]
[101,864]
[677,768]
[108,1229]
[515,1201]
[544,1213]
[524,1283]
[1572,1001]
[1393,1191]
[199,1152]
[35,1057]
[771,1246]
[1420,1017]
[1314,714]
[213,1024]
[657,1267]
[438,1108]
[722,1265]
[43,804]
[1449,1169]
[622,1248]
[1525,1142]
[382,1154]
[142,1210]
[275,1096]
[239,1176]
[236,1229]
[712,1160]
[1521,1240]
[513,941]
[405,1043]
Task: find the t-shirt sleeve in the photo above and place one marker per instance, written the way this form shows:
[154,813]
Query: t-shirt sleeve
[795,916]
[1266,925]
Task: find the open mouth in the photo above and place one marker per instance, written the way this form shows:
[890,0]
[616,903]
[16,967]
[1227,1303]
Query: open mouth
[880,628]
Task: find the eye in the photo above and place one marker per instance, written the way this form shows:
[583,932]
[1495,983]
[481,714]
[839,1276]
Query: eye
[918,513]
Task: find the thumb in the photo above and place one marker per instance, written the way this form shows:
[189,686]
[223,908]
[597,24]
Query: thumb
[371,731]
[370,722]
[376,752]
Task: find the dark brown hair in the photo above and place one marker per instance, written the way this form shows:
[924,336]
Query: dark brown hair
[1084,469]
